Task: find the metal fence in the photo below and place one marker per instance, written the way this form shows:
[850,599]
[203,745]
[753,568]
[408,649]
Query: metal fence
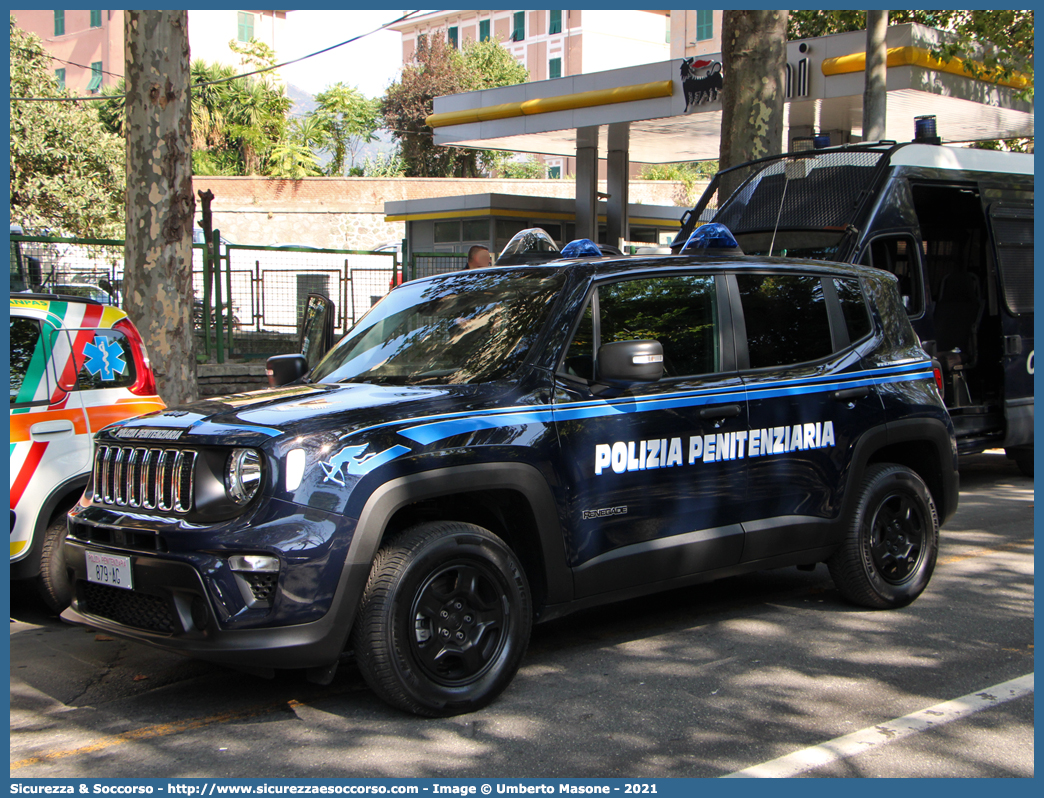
[91,268]
[264,287]
[268,286]
[259,291]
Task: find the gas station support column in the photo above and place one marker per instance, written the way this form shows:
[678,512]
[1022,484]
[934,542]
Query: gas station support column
[587,183]
[617,173]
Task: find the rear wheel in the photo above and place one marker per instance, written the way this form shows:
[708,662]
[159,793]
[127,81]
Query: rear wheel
[53,583]
[444,620]
[889,553]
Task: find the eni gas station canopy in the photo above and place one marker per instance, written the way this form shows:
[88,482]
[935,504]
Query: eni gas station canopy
[674,117]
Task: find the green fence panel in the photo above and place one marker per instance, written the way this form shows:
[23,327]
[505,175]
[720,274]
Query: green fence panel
[263,289]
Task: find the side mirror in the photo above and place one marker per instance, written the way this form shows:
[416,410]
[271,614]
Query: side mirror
[284,369]
[626,362]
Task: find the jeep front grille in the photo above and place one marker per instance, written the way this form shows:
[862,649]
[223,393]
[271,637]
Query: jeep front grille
[145,478]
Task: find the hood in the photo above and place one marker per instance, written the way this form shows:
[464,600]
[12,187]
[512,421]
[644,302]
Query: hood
[250,419]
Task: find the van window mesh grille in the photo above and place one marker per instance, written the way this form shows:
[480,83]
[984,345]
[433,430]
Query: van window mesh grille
[1013,232]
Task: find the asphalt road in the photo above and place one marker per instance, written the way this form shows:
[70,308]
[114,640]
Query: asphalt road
[701,682]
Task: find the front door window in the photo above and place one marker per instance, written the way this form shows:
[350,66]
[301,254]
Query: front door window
[655,477]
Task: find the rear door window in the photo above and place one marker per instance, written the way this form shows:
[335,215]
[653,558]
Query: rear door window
[786,319]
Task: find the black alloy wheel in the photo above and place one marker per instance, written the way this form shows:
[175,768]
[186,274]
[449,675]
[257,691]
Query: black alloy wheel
[444,620]
[889,552]
[460,615]
[898,533]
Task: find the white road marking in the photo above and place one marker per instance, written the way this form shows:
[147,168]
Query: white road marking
[866,739]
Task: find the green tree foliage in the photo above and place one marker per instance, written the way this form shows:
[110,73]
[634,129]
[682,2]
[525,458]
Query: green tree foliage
[67,170]
[528,169]
[294,156]
[348,120]
[488,65]
[236,123]
[437,69]
[384,166]
[1002,40]
[239,127]
[690,175]
[113,112]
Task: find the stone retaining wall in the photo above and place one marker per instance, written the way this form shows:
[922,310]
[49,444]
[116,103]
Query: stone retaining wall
[348,212]
[219,379]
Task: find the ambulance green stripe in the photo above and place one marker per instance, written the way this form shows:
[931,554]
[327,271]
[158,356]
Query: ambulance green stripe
[34,375]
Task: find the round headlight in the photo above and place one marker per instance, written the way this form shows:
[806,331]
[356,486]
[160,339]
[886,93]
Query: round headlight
[243,475]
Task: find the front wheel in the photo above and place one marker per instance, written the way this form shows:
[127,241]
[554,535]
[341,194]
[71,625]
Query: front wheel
[889,552]
[444,620]
[53,584]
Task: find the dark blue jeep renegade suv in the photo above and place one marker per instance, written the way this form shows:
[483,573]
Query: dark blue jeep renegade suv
[491,448]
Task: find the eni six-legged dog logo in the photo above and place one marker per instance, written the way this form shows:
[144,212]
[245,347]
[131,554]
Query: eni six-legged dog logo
[701,81]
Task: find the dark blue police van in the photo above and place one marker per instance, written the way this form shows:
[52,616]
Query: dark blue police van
[954,225]
[493,448]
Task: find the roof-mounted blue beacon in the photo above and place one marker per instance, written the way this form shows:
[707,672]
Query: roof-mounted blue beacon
[712,236]
[581,248]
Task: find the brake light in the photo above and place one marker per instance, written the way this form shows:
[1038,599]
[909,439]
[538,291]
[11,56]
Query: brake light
[145,382]
[938,377]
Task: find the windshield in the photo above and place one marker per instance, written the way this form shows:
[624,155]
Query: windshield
[819,190]
[456,329]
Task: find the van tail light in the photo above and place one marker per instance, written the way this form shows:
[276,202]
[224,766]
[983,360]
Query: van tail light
[937,372]
[145,382]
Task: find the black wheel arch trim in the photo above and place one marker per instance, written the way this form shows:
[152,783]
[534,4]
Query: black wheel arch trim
[391,496]
[934,431]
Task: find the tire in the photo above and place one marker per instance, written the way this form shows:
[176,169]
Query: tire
[444,620]
[1023,459]
[53,584]
[890,549]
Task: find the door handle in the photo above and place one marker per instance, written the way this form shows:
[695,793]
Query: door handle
[851,394]
[49,430]
[724,411]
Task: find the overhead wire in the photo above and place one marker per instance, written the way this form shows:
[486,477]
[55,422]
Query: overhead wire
[97,97]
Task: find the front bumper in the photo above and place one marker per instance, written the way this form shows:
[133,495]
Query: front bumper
[169,608]
[187,598]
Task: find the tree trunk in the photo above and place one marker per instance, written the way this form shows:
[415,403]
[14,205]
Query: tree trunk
[875,94]
[753,61]
[160,207]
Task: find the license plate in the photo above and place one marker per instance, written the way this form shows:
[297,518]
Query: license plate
[109,569]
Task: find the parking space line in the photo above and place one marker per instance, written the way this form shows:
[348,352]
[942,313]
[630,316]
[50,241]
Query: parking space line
[866,739]
[151,732]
